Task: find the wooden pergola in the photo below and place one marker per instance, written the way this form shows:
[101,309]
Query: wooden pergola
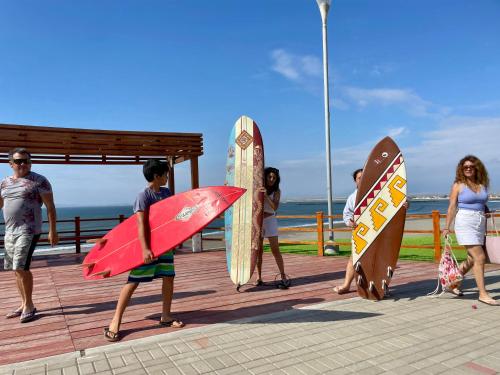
[51,145]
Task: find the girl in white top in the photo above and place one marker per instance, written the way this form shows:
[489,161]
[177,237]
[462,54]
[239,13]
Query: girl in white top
[272,195]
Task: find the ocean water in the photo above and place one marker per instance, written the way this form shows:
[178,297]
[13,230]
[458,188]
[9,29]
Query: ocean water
[99,228]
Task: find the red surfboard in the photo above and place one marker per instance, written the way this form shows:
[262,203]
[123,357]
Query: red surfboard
[172,221]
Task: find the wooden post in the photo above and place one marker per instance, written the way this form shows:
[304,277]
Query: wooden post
[197,239]
[77,235]
[436,229]
[319,223]
[195,181]
[121,218]
[171,174]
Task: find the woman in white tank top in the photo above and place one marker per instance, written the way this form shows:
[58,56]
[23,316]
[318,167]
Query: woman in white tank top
[272,196]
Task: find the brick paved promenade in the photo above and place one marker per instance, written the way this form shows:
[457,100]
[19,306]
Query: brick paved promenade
[407,333]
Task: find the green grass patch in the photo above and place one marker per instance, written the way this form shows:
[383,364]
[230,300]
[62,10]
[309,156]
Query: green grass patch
[423,255]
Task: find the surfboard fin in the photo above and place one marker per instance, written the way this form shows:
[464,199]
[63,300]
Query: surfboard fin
[390,272]
[104,273]
[88,265]
[100,241]
[357,267]
[385,287]
[371,286]
[359,281]
[238,287]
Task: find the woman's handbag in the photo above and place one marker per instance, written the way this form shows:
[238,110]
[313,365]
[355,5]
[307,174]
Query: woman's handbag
[492,244]
[449,275]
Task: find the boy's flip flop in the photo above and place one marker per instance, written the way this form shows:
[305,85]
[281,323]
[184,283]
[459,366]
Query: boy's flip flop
[28,317]
[174,323]
[14,313]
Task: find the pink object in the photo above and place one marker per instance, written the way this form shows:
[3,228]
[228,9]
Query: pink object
[492,244]
[474,307]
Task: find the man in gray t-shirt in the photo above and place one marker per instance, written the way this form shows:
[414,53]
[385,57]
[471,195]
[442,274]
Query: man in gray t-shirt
[21,197]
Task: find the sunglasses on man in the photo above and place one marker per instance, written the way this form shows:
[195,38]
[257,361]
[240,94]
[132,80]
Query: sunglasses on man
[21,161]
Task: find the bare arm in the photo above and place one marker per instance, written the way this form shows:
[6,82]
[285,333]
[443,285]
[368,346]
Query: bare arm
[275,202]
[1,203]
[143,231]
[452,208]
[48,201]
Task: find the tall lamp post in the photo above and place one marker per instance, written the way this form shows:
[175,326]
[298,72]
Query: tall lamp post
[324,7]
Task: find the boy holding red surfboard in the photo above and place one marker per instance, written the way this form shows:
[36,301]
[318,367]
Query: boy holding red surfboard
[156,174]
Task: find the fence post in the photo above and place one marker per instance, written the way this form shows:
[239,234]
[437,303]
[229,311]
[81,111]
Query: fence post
[121,218]
[77,235]
[319,223]
[436,229]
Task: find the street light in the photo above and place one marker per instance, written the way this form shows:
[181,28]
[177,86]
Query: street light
[324,7]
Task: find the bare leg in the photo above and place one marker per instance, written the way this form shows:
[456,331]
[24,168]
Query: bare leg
[477,254]
[20,288]
[26,280]
[349,276]
[259,262]
[123,300]
[167,290]
[466,265]
[275,249]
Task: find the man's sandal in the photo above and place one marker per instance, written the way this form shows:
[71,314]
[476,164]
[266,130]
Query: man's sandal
[174,323]
[14,313]
[337,289]
[28,317]
[111,336]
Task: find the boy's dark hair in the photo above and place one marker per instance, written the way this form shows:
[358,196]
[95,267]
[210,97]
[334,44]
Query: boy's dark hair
[154,167]
[355,173]
[18,150]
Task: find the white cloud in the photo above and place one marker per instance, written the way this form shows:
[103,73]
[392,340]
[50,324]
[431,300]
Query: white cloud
[295,67]
[379,70]
[433,160]
[405,98]
[396,132]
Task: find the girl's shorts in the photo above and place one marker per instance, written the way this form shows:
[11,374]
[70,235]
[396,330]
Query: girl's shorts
[270,227]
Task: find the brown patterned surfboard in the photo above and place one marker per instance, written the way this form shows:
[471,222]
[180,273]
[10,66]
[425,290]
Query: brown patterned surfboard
[379,215]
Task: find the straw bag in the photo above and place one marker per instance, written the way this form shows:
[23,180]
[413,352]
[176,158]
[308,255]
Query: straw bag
[492,244]
[449,275]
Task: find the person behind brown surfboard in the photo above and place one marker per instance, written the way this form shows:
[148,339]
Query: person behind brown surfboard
[348,217]
[469,194]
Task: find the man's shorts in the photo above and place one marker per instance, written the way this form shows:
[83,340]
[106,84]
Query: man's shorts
[161,267]
[19,250]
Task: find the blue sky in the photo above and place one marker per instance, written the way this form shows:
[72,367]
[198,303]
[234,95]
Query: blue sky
[425,72]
